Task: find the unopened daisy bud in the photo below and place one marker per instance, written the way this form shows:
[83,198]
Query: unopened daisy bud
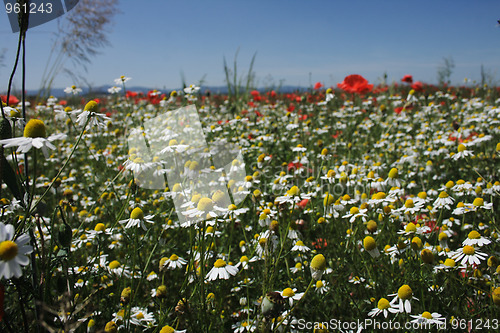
[125,295]
[492,261]
[371,226]
[427,256]
[91,106]
[111,327]
[495,296]
[91,326]
[161,291]
[35,128]
[416,243]
[328,200]
[318,266]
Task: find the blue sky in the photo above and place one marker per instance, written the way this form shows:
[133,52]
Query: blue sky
[298,42]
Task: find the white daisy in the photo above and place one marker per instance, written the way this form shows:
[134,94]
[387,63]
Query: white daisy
[72,90]
[34,136]
[322,286]
[299,246]
[443,201]
[141,317]
[114,90]
[221,270]
[291,295]
[173,262]
[13,252]
[383,306]
[468,255]
[137,219]
[122,79]
[429,318]
[402,299]
[474,238]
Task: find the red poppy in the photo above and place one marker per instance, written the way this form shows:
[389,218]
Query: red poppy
[12,99]
[355,84]
[417,86]
[294,166]
[303,203]
[131,94]
[318,85]
[407,78]
[320,243]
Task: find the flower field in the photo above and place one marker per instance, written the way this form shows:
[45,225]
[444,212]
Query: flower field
[357,203]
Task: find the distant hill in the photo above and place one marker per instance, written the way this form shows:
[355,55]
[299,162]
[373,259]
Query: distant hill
[59,92]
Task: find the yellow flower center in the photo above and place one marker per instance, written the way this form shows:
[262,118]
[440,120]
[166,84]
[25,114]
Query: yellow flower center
[137,214]
[409,203]
[220,263]
[478,202]
[379,196]
[411,227]
[167,329]
[114,264]
[319,284]
[100,227]
[474,235]
[318,262]
[442,236]
[299,243]
[243,259]
[449,262]
[8,250]
[205,204]
[218,196]
[422,195]
[369,243]
[427,315]
[35,129]
[383,304]
[346,197]
[174,257]
[461,147]
[288,292]
[293,191]
[468,250]
[443,195]
[354,210]
[393,173]
[139,316]
[405,292]
[298,265]
[91,106]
